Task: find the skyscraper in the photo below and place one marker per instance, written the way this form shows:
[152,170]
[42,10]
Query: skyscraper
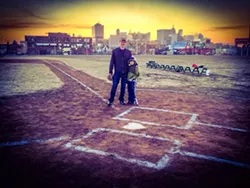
[163,36]
[97,32]
[180,35]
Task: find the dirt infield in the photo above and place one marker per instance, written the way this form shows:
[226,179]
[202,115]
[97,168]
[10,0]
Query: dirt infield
[208,147]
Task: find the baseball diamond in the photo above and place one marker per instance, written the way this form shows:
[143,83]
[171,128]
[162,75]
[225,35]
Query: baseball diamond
[65,135]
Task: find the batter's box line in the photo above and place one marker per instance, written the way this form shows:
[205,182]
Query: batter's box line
[160,164]
[164,160]
[187,126]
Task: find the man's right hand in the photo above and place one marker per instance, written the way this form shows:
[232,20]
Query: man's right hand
[110,77]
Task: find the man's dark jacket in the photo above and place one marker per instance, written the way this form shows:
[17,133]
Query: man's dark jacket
[119,59]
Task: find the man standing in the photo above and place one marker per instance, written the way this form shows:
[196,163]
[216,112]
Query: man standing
[119,61]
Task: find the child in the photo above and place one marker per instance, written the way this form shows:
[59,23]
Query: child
[133,74]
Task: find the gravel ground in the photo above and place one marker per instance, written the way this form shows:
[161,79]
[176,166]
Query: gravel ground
[23,78]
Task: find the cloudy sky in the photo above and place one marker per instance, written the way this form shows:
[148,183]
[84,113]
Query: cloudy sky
[221,20]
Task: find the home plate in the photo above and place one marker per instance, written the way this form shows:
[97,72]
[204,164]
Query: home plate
[134,126]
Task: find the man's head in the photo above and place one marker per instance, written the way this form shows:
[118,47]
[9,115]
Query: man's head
[122,42]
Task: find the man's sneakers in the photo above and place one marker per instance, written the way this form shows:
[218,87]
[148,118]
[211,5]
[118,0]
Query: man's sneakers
[133,103]
[110,103]
[129,103]
[122,103]
[136,102]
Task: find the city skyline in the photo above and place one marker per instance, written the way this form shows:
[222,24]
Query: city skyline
[78,17]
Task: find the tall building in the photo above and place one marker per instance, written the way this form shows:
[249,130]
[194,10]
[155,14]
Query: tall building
[114,39]
[173,38]
[180,35]
[118,32]
[163,35]
[97,32]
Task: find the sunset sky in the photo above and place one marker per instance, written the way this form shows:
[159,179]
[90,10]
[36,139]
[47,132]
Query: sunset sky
[220,20]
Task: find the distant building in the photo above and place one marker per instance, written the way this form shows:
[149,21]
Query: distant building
[114,39]
[180,45]
[151,46]
[3,49]
[105,42]
[23,48]
[80,45]
[173,38]
[13,48]
[206,40]
[58,43]
[188,38]
[163,36]
[180,35]
[97,32]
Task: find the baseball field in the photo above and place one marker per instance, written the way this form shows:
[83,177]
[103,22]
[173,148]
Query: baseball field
[189,130]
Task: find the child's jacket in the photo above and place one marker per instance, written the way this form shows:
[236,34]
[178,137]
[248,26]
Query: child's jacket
[133,72]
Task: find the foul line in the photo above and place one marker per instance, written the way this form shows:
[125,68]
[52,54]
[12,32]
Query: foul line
[24,142]
[82,84]
[211,158]
[66,65]
[221,127]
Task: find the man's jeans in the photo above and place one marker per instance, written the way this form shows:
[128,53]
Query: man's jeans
[116,79]
[131,91]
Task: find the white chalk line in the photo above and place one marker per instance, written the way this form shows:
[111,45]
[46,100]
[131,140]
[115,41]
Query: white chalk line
[117,156]
[66,65]
[127,133]
[211,158]
[189,92]
[187,126]
[162,162]
[125,112]
[24,142]
[222,127]
[163,110]
[82,84]
[165,90]
[151,123]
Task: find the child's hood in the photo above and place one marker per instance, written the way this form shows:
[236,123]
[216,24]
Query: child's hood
[133,59]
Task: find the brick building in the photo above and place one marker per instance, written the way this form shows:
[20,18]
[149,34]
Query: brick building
[58,43]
